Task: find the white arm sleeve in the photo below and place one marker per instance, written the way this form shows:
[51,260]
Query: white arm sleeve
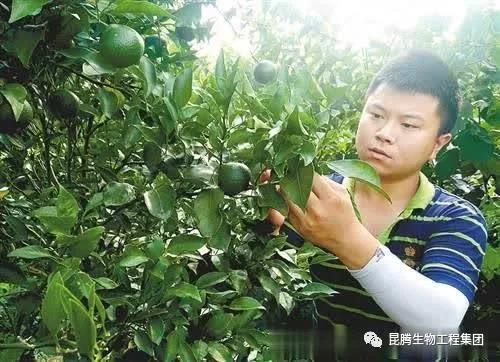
[412,300]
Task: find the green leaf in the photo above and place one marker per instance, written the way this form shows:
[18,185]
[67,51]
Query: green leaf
[186,353]
[294,125]
[218,325]
[138,7]
[96,65]
[173,340]
[111,100]
[66,205]
[278,101]
[171,109]
[219,352]
[117,194]
[475,144]
[155,248]
[297,183]
[132,256]
[185,290]
[52,309]
[160,201]
[285,148]
[156,329]
[493,113]
[210,279]
[148,75]
[220,73]
[106,283]
[22,8]
[133,260]
[54,223]
[286,301]
[448,163]
[245,303]
[30,252]
[15,95]
[143,342]
[271,198]
[491,263]
[23,43]
[198,174]
[100,307]
[240,281]
[200,350]
[270,286]
[83,327]
[185,244]
[206,210]
[314,289]
[95,201]
[82,245]
[360,171]
[222,237]
[308,152]
[183,87]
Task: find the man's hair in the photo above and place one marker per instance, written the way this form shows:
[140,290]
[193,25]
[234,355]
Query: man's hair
[420,71]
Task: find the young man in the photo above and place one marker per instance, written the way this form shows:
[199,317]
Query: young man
[408,266]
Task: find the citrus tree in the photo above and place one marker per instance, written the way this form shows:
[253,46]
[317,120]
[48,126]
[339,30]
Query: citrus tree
[132,212]
[131,207]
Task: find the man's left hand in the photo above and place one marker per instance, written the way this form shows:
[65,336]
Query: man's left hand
[329,220]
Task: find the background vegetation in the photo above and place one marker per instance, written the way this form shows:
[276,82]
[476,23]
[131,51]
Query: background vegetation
[117,240]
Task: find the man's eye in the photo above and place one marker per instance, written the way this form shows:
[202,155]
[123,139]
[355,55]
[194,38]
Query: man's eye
[376,115]
[408,125]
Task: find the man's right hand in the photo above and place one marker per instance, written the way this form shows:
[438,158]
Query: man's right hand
[273,216]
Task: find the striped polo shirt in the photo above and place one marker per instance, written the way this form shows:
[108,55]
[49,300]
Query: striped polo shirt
[439,234]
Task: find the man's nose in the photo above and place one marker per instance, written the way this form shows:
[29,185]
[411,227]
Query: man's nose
[386,132]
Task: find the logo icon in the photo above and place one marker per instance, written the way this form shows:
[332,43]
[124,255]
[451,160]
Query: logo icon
[373,339]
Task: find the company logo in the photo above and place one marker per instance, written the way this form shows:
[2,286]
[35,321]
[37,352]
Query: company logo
[373,339]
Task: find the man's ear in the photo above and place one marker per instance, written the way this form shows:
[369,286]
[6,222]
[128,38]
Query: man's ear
[441,141]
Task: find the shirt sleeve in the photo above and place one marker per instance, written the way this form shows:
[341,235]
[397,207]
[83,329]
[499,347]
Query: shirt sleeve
[454,253]
[409,298]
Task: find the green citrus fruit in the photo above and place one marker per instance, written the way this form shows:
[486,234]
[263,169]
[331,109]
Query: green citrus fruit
[8,122]
[121,46]
[64,104]
[265,72]
[184,33]
[233,177]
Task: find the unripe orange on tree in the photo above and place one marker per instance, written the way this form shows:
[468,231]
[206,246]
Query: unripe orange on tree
[121,46]
[233,177]
[265,72]
[64,104]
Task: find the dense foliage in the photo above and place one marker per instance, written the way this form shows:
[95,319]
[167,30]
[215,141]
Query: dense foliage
[130,203]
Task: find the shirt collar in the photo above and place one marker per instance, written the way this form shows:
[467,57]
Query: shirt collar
[420,200]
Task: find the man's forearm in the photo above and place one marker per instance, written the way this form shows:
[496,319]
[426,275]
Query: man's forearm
[411,299]
[358,251]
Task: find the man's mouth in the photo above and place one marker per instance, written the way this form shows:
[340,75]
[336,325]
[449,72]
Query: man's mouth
[379,152]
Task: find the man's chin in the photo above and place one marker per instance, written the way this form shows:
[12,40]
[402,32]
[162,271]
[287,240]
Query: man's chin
[376,165]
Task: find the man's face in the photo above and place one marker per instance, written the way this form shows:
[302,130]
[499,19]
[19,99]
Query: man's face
[402,125]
